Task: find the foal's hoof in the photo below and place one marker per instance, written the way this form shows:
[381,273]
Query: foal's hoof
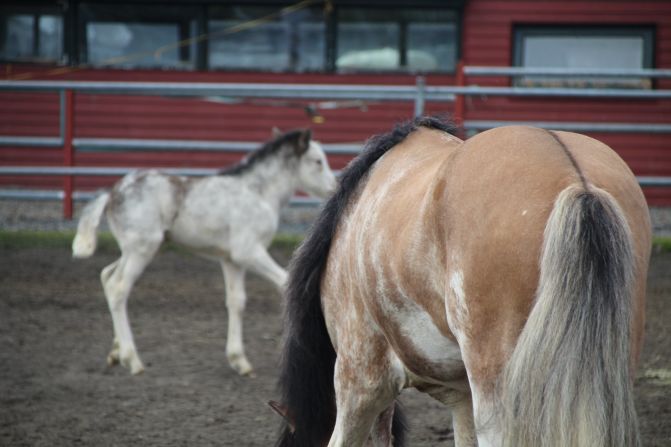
[134,365]
[113,359]
[241,365]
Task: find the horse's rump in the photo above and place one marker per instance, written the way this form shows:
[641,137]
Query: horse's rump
[429,268]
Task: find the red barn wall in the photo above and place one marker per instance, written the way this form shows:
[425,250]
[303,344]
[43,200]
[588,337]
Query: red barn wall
[487,39]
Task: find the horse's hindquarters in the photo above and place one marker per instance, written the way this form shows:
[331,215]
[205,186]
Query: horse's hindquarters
[500,194]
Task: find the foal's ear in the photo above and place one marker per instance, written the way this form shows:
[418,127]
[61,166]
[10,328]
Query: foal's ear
[276,132]
[284,412]
[303,142]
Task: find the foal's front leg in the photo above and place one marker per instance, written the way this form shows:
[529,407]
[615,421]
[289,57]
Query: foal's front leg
[234,278]
[257,259]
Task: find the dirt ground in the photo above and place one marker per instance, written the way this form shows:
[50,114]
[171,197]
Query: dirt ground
[55,332]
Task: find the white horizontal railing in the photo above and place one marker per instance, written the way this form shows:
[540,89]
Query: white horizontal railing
[567,72]
[420,93]
[193,172]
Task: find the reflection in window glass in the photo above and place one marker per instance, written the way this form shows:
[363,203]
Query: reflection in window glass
[398,39]
[432,46]
[368,45]
[292,42]
[311,46]
[134,44]
[137,35]
[19,40]
[265,47]
[50,37]
[583,50]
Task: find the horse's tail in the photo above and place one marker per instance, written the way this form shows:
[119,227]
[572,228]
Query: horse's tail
[569,380]
[308,358]
[84,243]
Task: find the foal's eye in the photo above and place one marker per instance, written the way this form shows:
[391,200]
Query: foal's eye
[319,163]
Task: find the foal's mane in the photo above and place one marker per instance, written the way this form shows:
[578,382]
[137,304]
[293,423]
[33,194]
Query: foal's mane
[267,149]
[308,358]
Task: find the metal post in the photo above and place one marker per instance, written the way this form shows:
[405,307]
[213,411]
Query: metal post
[67,126]
[421,96]
[459,106]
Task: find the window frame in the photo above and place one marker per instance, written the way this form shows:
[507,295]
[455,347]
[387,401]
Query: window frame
[77,13]
[454,8]
[37,11]
[145,15]
[276,6]
[522,31]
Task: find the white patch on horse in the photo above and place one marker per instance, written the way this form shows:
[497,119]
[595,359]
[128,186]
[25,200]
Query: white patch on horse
[415,323]
[524,213]
[457,288]
[419,328]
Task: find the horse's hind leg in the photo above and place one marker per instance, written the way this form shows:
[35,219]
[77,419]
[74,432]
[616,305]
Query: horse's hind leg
[463,423]
[234,278]
[118,279]
[366,385]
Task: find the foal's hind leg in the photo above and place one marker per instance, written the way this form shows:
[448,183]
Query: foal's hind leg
[234,278]
[118,279]
[113,356]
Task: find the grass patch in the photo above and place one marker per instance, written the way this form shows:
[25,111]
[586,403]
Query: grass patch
[661,244]
[15,240]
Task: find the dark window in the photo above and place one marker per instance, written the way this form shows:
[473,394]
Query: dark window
[260,38]
[31,35]
[137,36]
[584,48]
[399,39]
[264,36]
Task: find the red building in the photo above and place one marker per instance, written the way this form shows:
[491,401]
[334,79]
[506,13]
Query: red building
[318,42]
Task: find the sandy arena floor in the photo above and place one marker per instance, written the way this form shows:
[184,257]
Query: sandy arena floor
[55,332]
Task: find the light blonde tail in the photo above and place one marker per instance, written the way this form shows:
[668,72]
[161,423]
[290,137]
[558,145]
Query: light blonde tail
[85,241]
[568,381]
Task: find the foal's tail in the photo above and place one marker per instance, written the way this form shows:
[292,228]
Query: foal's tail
[569,382]
[84,243]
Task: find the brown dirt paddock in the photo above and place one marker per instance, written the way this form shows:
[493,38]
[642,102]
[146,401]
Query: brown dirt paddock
[55,332]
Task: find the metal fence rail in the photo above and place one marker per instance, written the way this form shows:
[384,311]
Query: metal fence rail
[566,72]
[419,94]
[77,196]
[85,196]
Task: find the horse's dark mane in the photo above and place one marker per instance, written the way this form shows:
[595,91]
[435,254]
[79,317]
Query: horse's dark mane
[308,358]
[269,148]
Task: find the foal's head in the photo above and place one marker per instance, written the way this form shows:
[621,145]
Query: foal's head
[302,160]
[314,174]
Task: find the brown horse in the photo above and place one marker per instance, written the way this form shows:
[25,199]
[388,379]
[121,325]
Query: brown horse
[503,275]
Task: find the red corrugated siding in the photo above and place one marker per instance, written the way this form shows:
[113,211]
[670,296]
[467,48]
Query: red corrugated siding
[487,40]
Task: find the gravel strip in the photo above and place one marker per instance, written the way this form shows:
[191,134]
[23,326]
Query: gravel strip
[48,216]
[18,215]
